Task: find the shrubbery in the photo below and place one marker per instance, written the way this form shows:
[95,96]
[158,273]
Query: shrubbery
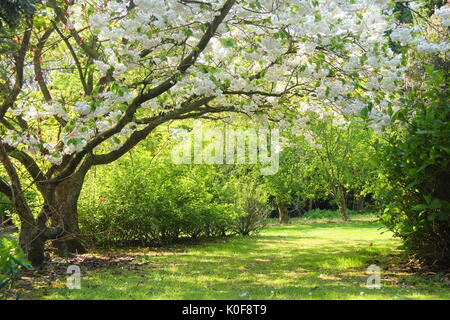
[415,159]
[161,203]
[253,209]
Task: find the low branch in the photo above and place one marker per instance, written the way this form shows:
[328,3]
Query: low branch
[28,162]
[18,197]
[188,111]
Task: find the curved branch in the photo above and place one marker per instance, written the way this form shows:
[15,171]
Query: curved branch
[19,65]
[39,74]
[75,58]
[188,111]
[28,162]
[18,196]
[62,17]
[37,65]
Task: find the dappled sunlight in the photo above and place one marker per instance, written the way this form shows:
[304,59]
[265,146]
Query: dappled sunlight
[284,262]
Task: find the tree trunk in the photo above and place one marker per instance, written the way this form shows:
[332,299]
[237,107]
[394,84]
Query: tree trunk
[33,233]
[360,203]
[283,213]
[61,208]
[343,211]
[67,195]
[32,241]
[342,204]
[310,204]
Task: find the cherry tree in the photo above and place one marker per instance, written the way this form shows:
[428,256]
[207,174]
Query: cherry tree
[86,81]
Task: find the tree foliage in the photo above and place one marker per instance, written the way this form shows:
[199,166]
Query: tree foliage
[416,161]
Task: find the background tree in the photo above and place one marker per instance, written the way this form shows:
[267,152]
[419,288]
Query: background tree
[284,185]
[12,11]
[340,156]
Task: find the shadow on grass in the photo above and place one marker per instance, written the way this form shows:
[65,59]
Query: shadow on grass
[327,261]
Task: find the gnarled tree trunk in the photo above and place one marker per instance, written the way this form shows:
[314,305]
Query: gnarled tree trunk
[61,209]
[32,241]
[67,194]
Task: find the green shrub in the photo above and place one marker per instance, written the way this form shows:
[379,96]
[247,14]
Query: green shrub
[254,210]
[415,160]
[157,204]
[11,262]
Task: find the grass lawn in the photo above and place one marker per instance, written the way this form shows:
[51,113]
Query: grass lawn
[297,261]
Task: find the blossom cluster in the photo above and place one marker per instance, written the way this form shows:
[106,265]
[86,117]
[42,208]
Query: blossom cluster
[264,57]
[415,35]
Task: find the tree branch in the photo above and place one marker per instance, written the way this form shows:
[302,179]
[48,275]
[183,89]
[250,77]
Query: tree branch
[18,197]
[137,136]
[5,189]
[19,65]
[75,58]
[190,60]
[28,162]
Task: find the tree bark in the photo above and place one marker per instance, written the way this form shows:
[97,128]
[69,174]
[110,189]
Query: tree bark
[32,241]
[283,213]
[342,204]
[67,194]
[33,234]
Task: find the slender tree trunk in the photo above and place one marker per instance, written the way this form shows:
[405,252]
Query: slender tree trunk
[343,211]
[360,203]
[342,204]
[283,213]
[310,204]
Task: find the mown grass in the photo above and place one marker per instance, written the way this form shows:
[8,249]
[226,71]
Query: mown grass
[309,261]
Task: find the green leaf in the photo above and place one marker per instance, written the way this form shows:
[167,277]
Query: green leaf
[420,207]
[229,43]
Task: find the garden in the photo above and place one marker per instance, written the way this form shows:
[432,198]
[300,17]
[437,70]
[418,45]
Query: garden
[224,150]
